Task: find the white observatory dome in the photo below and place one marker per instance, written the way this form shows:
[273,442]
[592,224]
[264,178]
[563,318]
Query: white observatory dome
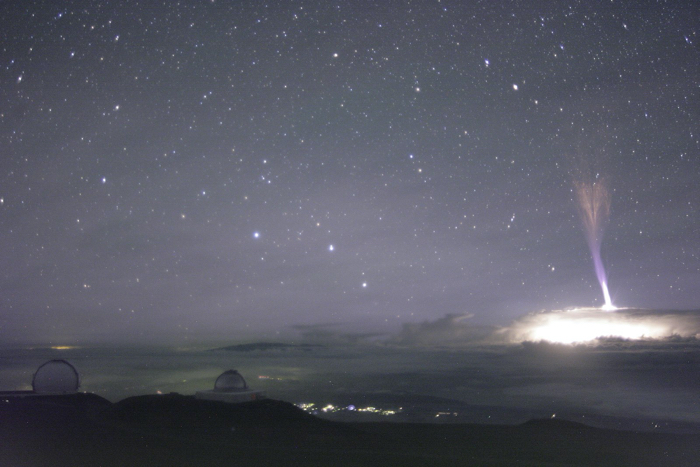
[230,380]
[56,377]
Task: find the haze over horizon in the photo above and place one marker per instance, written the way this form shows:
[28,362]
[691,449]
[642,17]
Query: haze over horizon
[217,170]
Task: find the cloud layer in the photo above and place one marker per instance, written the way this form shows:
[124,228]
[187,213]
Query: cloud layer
[572,326]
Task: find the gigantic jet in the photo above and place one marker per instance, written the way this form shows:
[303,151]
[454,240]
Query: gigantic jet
[594,207]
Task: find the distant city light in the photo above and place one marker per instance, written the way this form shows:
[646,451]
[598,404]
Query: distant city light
[312,408]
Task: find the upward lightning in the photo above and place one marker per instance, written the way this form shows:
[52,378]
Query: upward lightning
[594,207]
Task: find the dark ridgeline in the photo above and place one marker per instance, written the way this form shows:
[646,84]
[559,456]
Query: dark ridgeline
[176,430]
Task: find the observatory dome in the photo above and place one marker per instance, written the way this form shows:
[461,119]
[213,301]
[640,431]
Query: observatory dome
[56,377]
[230,387]
[230,380]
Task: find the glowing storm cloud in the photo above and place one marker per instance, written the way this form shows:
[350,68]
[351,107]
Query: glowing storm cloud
[594,207]
[582,325]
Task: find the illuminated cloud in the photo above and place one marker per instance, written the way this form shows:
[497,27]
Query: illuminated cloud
[582,325]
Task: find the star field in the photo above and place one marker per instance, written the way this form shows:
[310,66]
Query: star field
[212,168]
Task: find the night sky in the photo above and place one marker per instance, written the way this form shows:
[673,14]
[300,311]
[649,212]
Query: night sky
[203,169]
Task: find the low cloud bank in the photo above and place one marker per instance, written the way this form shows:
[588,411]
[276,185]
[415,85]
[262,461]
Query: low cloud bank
[329,334]
[450,330]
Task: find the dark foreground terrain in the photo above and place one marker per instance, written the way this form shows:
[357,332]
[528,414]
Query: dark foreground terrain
[175,430]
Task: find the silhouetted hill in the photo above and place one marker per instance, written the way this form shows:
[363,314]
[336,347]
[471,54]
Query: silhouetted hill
[176,430]
[263,420]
